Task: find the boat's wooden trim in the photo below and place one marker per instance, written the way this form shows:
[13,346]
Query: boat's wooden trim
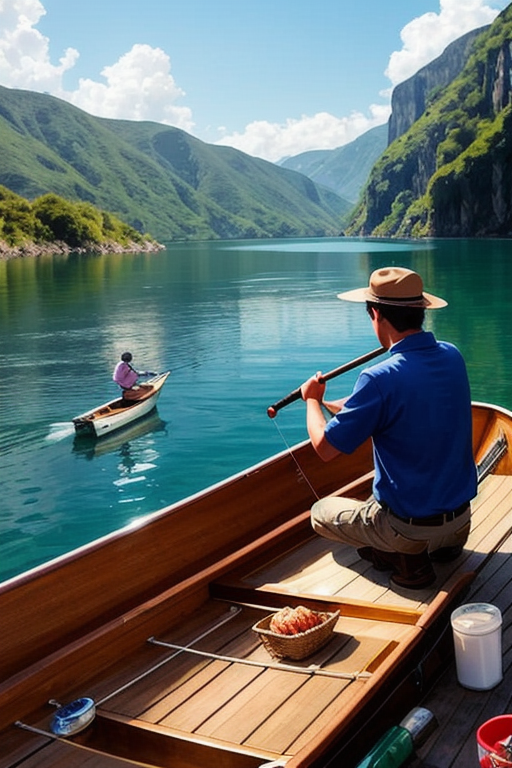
[168,747]
[273,599]
[131,742]
[65,754]
[488,425]
[121,404]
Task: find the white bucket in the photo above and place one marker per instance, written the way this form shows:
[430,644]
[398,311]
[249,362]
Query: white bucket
[477,639]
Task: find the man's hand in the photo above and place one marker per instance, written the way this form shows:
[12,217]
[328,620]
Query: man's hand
[313,389]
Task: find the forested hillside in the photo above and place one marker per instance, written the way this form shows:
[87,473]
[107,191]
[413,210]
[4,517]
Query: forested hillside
[51,223]
[153,177]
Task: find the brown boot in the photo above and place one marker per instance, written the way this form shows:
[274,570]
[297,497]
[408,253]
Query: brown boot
[415,571]
[410,571]
[377,558]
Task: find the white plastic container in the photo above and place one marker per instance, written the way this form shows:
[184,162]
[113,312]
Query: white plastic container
[477,639]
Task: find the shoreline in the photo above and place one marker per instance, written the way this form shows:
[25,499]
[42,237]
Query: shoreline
[60,248]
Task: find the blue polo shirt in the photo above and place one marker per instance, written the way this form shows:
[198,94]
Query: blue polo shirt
[416,405]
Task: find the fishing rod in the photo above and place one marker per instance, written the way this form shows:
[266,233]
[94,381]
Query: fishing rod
[296,394]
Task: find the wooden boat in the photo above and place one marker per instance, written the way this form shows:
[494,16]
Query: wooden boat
[154,624]
[120,412]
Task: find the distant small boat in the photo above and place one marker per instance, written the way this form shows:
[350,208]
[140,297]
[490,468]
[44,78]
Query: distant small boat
[120,412]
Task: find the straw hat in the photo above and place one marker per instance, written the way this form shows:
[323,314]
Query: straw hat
[397,286]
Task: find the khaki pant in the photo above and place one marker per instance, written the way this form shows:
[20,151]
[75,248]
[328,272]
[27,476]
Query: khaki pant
[366,523]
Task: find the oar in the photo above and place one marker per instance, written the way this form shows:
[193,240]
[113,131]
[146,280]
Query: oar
[296,395]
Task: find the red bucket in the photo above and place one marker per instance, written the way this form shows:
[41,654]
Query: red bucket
[488,736]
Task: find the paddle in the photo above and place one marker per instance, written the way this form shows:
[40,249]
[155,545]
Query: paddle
[295,395]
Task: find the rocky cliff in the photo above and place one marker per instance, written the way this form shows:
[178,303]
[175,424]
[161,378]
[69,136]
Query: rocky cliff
[450,173]
[409,99]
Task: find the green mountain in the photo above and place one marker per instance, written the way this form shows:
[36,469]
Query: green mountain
[345,170]
[450,173]
[153,177]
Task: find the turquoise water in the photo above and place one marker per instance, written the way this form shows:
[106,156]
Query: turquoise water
[240,324]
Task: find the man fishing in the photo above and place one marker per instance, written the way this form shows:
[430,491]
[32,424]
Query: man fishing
[127,377]
[416,407]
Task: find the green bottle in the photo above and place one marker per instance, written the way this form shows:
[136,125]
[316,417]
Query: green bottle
[398,744]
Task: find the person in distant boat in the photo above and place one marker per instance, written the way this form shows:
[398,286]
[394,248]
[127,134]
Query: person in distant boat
[416,407]
[127,377]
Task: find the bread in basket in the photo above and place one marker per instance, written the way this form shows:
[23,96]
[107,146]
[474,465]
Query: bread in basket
[295,633]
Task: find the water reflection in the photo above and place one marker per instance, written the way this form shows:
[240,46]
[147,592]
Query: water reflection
[124,441]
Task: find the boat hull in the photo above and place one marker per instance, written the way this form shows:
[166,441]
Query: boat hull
[118,413]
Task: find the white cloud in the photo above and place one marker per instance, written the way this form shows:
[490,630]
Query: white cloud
[139,86]
[426,37]
[24,51]
[273,141]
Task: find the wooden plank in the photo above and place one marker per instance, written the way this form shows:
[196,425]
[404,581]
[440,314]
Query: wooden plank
[160,713]
[17,745]
[243,714]
[147,693]
[342,573]
[238,593]
[297,714]
[190,712]
[223,711]
[323,720]
[210,703]
[460,711]
[493,522]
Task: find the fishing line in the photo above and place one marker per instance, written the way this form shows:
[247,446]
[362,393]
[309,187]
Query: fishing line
[296,395]
[289,449]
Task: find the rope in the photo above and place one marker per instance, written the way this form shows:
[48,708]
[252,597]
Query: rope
[233,611]
[313,669]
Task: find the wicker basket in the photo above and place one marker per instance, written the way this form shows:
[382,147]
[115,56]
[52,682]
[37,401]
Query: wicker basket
[297,646]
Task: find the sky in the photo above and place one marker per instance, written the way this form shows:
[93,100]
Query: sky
[272,78]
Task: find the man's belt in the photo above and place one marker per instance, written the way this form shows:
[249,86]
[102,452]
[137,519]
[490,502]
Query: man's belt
[441,519]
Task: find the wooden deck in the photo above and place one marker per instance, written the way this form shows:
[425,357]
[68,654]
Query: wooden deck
[458,710]
[190,681]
